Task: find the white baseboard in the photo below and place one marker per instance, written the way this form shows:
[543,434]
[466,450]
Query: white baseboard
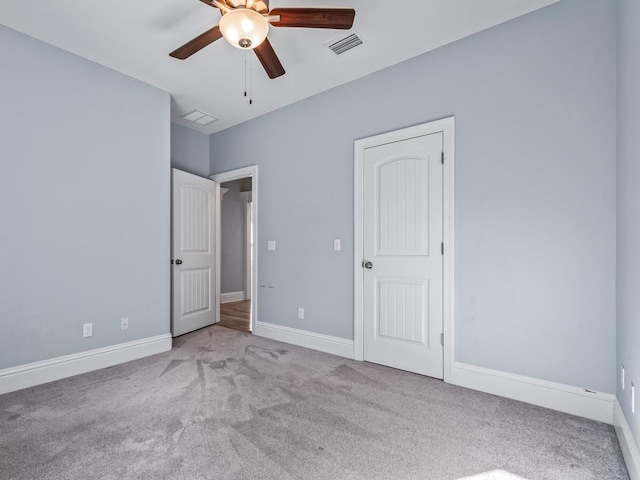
[302,338]
[556,396]
[232,297]
[628,444]
[32,374]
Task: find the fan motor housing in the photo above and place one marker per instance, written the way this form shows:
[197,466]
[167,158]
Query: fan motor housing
[260,6]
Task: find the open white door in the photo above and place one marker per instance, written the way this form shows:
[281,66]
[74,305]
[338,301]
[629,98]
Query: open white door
[194,253]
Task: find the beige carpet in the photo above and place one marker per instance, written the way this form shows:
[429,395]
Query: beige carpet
[228,405]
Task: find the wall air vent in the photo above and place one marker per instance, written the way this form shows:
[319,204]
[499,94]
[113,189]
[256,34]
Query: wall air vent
[199,117]
[345,44]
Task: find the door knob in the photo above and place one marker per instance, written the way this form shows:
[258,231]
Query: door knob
[178,262]
[367,265]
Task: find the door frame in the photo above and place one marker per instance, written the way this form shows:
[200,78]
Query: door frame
[447,127]
[229,176]
[248,249]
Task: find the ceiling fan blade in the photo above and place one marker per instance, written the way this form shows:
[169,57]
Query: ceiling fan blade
[197,44]
[338,18]
[208,2]
[269,60]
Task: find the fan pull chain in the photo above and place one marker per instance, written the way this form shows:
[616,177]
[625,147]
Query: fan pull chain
[250,82]
[245,73]
[248,92]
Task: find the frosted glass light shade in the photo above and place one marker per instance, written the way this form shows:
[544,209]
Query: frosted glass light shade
[244,28]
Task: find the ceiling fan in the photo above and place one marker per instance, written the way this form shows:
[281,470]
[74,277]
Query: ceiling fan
[245,25]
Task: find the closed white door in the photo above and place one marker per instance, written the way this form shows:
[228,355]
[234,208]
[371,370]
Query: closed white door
[194,253]
[403,262]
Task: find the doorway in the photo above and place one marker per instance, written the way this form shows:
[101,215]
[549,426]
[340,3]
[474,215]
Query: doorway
[236,237]
[237,248]
[404,249]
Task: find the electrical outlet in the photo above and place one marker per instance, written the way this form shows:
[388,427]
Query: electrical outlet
[87,330]
[124,324]
[301,313]
[622,376]
[271,245]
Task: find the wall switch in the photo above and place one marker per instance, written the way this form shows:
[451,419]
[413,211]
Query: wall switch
[622,376]
[124,324]
[271,245]
[87,330]
[336,245]
[633,398]
[301,313]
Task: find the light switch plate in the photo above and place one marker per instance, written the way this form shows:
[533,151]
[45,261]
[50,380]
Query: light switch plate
[271,245]
[87,330]
[337,245]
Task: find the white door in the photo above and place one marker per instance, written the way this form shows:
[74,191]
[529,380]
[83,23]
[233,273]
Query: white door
[403,262]
[194,253]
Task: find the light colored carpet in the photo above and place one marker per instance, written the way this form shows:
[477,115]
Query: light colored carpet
[227,405]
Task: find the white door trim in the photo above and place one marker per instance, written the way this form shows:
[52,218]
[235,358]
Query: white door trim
[248,216]
[231,175]
[447,127]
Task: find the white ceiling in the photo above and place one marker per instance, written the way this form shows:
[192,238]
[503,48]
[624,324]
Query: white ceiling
[135,38]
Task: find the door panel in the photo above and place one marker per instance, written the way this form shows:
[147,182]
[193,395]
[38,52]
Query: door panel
[196,290]
[403,220]
[194,258]
[403,309]
[195,206]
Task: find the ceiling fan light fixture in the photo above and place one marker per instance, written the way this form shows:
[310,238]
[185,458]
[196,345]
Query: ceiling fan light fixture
[244,28]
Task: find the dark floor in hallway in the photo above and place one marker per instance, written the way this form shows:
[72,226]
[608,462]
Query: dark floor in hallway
[236,315]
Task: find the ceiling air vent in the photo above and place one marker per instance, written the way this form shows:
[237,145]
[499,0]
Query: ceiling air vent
[345,44]
[199,117]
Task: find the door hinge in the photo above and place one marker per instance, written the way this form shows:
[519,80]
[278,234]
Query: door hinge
[442,248]
[442,158]
[442,339]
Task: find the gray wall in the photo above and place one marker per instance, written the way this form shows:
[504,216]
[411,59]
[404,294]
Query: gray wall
[189,150]
[629,203]
[535,106]
[232,239]
[84,203]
